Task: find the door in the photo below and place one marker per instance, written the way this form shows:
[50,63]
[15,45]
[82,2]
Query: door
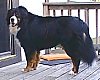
[10,52]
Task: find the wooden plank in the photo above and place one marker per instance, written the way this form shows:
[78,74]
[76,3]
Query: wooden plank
[95,75]
[8,75]
[28,75]
[71,5]
[8,72]
[46,72]
[61,71]
[86,73]
[57,73]
[67,76]
[49,78]
[13,66]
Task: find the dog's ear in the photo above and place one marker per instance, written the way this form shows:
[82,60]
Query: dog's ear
[8,17]
[23,11]
[23,8]
[9,14]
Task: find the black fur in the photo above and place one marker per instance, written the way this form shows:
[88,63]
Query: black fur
[39,33]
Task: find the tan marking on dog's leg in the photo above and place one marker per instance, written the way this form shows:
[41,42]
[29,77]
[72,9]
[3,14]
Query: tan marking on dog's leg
[30,63]
[28,67]
[37,59]
[33,60]
[33,63]
[75,68]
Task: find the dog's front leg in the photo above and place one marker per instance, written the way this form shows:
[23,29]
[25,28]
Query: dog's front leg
[36,60]
[31,61]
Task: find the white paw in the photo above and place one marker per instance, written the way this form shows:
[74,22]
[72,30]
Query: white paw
[27,69]
[72,73]
[22,70]
[94,63]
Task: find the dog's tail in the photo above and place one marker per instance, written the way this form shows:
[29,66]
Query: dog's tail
[89,54]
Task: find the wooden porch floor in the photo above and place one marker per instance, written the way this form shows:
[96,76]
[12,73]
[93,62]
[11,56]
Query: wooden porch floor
[54,72]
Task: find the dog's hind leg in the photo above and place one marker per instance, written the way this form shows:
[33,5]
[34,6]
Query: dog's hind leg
[76,63]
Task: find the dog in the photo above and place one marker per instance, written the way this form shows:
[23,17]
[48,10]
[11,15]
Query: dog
[36,33]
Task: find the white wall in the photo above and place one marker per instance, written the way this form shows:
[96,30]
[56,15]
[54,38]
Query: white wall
[36,7]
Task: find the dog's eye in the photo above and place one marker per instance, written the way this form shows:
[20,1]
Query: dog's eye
[16,15]
[18,19]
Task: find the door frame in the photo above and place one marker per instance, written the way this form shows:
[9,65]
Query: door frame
[14,54]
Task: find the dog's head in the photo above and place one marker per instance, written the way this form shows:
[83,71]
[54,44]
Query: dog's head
[15,17]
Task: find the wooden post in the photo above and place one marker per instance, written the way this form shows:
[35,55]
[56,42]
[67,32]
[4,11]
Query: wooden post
[69,12]
[46,11]
[54,13]
[79,13]
[61,12]
[46,0]
[68,0]
[96,26]
[87,16]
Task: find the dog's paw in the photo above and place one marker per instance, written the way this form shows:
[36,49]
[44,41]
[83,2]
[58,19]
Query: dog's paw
[72,73]
[22,70]
[27,69]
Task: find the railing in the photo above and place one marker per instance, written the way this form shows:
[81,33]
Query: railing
[70,6]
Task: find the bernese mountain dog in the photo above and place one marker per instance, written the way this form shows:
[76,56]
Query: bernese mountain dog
[36,33]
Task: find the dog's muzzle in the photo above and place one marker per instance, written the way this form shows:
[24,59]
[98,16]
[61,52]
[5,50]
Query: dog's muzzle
[13,26]
[13,21]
